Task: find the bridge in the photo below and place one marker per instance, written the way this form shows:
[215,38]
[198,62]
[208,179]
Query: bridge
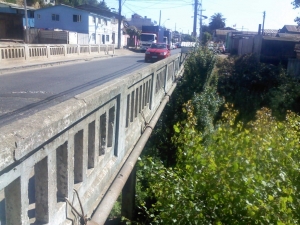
[69,162]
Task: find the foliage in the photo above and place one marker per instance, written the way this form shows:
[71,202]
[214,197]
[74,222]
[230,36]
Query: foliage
[206,38]
[101,4]
[285,97]
[188,38]
[248,175]
[207,105]
[205,28]
[251,85]
[198,72]
[217,21]
[296,4]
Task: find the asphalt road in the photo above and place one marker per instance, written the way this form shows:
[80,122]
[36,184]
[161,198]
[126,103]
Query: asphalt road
[27,92]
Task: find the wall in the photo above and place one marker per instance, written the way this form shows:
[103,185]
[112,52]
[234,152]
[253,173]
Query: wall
[43,19]
[77,145]
[100,26]
[294,67]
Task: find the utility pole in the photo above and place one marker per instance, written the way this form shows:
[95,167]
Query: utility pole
[119,25]
[159,17]
[263,26]
[200,20]
[195,18]
[26,22]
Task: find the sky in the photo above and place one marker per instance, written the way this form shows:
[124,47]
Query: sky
[244,14]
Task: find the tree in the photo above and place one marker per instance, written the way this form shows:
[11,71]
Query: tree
[296,4]
[132,31]
[217,21]
[188,38]
[206,37]
[103,5]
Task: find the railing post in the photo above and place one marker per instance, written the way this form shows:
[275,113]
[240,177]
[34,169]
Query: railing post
[48,51]
[26,52]
[65,50]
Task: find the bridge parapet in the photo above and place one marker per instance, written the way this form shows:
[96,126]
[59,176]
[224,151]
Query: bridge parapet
[29,52]
[80,144]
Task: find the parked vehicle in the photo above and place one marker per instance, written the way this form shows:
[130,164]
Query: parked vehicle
[167,37]
[157,51]
[178,45]
[149,35]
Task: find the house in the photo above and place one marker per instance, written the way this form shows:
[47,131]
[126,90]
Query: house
[290,29]
[219,35]
[139,21]
[12,20]
[240,42]
[114,17]
[278,49]
[95,27]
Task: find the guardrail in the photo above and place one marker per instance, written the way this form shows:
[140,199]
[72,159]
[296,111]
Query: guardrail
[13,53]
[80,144]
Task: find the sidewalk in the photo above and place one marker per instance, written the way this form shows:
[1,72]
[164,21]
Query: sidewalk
[8,68]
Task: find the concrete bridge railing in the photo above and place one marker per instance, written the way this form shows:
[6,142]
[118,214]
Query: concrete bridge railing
[80,144]
[30,52]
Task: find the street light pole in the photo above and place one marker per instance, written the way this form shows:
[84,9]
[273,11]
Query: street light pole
[165,21]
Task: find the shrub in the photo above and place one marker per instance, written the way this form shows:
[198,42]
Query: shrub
[248,175]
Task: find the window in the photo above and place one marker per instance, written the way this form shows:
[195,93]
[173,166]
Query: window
[55,17]
[38,16]
[76,18]
[105,22]
[94,19]
[107,37]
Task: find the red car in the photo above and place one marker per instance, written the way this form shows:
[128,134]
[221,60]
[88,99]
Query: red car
[157,51]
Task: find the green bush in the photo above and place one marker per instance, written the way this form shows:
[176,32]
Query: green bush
[251,85]
[248,175]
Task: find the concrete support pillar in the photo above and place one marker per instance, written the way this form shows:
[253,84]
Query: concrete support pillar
[42,191]
[91,145]
[45,188]
[128,196]
[62,172]
[13,202]
[78,157]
